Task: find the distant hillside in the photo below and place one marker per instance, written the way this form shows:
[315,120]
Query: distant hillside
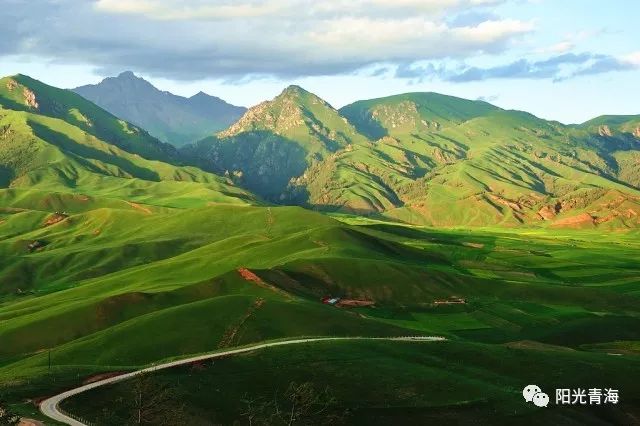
[170,118]
[58,150]
[432,159]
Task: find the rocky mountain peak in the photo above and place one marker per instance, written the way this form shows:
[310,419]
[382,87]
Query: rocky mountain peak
[127,75]
[280,114]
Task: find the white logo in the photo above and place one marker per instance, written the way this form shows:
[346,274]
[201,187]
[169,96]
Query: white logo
[533,393]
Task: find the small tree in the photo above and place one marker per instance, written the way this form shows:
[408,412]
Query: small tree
[152,403]
[301,404]
[7,417]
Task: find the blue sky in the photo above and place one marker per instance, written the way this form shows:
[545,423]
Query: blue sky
[568,60]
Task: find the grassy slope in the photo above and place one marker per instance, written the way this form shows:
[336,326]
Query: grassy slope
[431,159]
[178,297]
[448,161]
[406,383]
[276,141]
[42,156]
[162,276]
[74,109]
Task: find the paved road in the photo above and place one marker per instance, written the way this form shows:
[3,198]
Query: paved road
[49,407]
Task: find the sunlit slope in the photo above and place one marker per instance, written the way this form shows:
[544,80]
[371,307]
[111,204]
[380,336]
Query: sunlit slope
[22,93]
[448,161]
[412,113]
[275,142]
[42,157]
[432,159]
[515,168]
[108,267]
[114,289]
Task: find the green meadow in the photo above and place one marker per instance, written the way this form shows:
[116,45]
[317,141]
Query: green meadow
[117,253]
[111,292]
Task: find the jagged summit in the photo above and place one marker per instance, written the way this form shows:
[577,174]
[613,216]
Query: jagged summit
[171,118]
[128,74]
[294,89]
[201,94]
[301,95]
[298,114]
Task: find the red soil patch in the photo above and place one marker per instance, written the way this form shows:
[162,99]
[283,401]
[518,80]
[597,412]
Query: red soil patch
[139,207]
[354,303]
[579,220]
[247,275]
[54,218]
[250,276]
[547,212]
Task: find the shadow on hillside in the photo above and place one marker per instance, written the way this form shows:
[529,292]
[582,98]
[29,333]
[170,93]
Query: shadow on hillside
[6,175]
[364,123]
[83,153]
[260,161]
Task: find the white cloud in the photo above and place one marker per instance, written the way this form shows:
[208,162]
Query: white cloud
[632,59]
[190,10]
[558,48]
[219,9]
[492,31]
[192,39]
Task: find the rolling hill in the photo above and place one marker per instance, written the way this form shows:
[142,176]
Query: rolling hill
[112,259]
[433,159]
[55,146]
[22,93]
[168,117]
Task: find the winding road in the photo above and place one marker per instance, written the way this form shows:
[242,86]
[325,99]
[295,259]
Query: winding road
[50,407]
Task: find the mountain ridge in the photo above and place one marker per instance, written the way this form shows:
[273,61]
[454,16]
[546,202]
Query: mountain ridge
[437,160]
[171,118]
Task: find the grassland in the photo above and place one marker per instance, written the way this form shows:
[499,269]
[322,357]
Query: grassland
[111,260]
[389,383]
[129,296]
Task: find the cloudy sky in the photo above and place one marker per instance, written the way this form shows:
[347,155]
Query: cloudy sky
[568,60]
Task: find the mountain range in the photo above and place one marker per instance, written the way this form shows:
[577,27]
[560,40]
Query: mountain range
[168,117]
[432,159]
[420,158]
[119,251]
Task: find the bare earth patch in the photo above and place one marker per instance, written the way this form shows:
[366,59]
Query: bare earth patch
[139,207]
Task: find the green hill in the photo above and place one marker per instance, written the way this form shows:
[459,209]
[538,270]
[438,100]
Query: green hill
[114,290]
[412,113]
[170,118]
[22,93]
[50,158]
[275,142]
[111,259]
[435,160]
